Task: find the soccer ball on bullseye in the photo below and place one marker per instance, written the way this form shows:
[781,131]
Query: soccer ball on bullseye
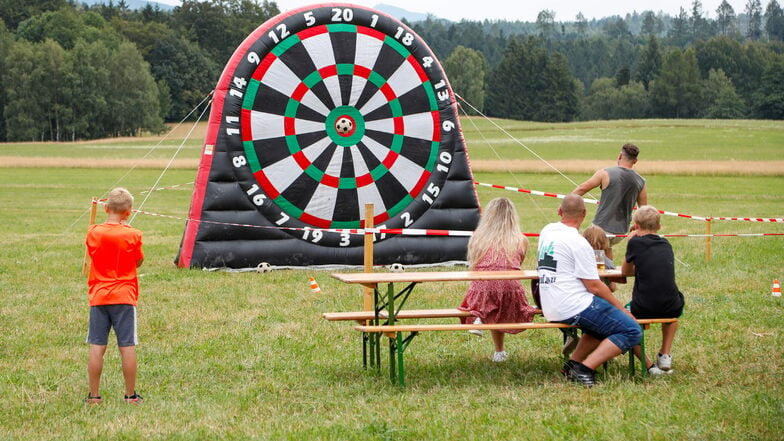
[344,126]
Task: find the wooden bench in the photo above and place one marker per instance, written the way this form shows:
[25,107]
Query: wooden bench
[363,316]
[398,343]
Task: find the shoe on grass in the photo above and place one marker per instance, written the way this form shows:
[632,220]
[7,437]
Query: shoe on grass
[568,367]
[477,332]
[582,374]
[664,362]
[93,400]
[499,357]
[134,399]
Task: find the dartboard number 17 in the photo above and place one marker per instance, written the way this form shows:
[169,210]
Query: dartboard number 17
[332,108]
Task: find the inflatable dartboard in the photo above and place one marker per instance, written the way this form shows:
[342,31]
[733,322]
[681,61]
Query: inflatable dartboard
[320,111]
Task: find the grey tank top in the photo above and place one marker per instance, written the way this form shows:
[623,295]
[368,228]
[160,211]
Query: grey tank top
[617,202]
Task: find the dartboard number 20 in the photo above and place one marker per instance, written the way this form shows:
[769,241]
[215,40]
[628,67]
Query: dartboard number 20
[332,108]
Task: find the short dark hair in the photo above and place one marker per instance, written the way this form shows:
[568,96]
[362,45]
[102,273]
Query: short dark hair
[630,151]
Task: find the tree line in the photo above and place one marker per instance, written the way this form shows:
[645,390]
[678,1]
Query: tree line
[72,71]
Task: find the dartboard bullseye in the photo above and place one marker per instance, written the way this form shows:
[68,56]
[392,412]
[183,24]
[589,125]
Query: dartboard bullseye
[319,112]
[344,126]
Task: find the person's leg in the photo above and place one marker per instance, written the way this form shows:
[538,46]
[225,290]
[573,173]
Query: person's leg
[498,340]
[638,354]
[605,351]
[668,335]
[94,369]
[128,357]
[585,346]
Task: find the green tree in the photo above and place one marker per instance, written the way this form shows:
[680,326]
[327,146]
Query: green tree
[675,93]
[133,100]
[606,101]
[650,62]
[774,21]
[650,24]
[770,96]
[545,23]
[581,24]
[35,89]
[89,82]
[725,19]
[6,42]
[13,12]
[466,69]
[187,70]
[754,17]
[720,98]
[700,27]
[529,84]
[680,33]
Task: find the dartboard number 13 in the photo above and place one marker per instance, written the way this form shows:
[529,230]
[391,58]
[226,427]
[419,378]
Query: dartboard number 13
[332,108]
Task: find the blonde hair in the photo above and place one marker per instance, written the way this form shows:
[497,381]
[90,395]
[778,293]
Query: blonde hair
[648,218]
[119,200]
[498,228]
[597,237]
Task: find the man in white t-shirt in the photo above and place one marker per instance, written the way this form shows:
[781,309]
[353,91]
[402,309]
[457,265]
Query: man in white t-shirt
[571,292]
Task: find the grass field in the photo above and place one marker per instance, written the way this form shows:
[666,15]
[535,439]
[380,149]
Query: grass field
[247,356]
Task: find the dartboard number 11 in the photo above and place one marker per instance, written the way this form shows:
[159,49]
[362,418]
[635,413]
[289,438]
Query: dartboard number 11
[333,108]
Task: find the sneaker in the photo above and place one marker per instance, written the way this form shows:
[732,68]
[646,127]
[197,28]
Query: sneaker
[582,374]
[499,357]
[93,400]
[477,332]
[134,399]
[570,341]
[664,362]
[654,371]
[568,367]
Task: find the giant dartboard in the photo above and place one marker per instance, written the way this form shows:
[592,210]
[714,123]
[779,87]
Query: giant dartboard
[321,111]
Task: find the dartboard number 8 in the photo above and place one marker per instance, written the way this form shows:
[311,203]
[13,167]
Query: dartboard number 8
[332,108]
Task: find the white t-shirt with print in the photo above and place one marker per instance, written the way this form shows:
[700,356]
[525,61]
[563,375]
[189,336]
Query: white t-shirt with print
[565,257]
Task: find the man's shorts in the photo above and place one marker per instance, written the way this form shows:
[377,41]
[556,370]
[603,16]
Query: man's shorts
[602,320]
[120,317]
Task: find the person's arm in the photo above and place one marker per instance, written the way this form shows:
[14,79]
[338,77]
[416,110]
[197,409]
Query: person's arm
[599,289]
[594,181]
[642,198]
[627,269]
[139,262]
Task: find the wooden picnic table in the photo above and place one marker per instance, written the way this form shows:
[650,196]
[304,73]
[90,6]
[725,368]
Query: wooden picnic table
[387,303]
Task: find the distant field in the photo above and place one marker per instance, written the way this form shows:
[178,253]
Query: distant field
[705,147]
[236,356]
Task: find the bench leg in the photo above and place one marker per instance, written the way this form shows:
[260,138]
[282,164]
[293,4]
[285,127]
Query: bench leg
[400,371]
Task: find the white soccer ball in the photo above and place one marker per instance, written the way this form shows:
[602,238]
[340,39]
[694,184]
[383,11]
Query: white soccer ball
[264,267]
[344,126]
[397,268]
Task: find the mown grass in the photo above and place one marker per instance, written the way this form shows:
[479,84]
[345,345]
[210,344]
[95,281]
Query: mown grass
[247,356]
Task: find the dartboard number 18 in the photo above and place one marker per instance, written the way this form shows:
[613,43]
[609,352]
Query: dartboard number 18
[334,107]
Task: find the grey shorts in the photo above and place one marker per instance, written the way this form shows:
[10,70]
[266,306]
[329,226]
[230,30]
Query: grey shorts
[120,317]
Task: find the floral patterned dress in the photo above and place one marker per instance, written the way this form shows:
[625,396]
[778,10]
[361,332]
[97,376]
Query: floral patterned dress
[497,301]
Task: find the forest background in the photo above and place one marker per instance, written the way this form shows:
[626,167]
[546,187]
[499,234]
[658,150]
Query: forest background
[72,71]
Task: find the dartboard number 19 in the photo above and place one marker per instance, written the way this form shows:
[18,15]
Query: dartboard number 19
[332,108]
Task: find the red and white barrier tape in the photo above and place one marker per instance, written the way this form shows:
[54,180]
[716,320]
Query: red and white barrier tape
[413,231]
[593,201]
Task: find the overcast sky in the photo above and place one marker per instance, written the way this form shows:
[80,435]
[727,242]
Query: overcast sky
[565,10]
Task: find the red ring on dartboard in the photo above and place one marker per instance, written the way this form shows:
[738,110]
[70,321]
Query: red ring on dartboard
[345,126]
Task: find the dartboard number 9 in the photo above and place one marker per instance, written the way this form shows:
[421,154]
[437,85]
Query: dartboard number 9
[332,108]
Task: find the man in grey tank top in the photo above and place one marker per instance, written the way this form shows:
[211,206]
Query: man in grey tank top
[621,188]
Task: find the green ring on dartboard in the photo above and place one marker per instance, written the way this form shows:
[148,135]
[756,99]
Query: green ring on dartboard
[358,130]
